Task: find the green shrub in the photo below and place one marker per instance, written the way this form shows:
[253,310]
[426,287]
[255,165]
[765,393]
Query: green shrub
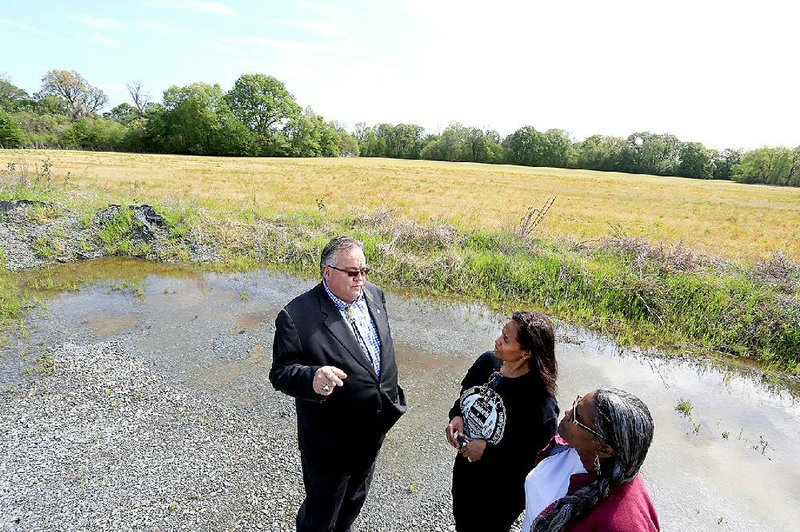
[11,135]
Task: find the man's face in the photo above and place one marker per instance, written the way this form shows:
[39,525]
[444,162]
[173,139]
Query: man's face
[340,283]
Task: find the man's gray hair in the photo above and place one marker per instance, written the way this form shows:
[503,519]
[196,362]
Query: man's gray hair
[340,243]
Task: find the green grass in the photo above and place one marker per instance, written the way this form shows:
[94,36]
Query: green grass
[732,220]
[135,288]
[45,248]
[12,302]
[684,407]
[639,294]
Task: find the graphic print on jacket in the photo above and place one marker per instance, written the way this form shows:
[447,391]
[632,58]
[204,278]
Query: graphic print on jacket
[484,413]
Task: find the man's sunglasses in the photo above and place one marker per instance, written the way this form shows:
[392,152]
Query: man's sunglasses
[581,425]
[351,273]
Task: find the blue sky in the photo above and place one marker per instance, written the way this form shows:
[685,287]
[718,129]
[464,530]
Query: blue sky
[721,73]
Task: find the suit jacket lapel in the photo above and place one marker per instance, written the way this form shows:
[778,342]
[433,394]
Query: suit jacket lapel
[341,330]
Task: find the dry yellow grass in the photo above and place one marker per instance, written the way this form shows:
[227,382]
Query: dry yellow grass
[732,220]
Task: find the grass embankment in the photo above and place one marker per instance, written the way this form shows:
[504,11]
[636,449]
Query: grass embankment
[730,220]
[652,296]
[11,301]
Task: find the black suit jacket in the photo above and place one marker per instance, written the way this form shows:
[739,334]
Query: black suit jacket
[344,430]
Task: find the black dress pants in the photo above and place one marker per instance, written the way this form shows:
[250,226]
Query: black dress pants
[333,500]
[485,497]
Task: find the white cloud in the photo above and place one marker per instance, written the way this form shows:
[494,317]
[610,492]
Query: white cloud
[318,8]
[105,41]
[216,8]
[20,26]
[306,49]
[158,27]
[308,26]
[96,22]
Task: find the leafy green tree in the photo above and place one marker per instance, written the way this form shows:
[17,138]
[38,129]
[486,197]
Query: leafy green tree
[484,147]
[462,143]
[136,136]
[11,135]
[12,98]
[558,149]
[434,149]
[310,136]
[601,152]
[196,119]
[453,144]
[369,143]
[655,154]
[771,166]
[150,134]
[794,174]
[124,113]
[81,97]
[522,146]
[47,104]
[43,130]
[696,161]
[95,133]
[529,147]
[724,162]
[264,105]
[348,143]
[403,141]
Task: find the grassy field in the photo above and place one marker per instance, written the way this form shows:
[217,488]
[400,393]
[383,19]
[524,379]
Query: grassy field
[730,220]
[450,232]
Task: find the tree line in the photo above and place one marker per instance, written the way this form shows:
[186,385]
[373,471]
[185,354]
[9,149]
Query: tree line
[258,116]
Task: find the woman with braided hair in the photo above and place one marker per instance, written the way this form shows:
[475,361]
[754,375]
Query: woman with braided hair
[505,413]
[587,478]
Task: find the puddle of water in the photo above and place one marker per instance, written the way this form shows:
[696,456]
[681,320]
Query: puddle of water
[213,332]
[229,379]
[251,320]
[105,325]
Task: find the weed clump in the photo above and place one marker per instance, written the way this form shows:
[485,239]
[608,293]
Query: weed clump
[778,271]
[684,407]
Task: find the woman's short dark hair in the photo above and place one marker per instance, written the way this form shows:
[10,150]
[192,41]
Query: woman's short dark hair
[624,422]
[535,334]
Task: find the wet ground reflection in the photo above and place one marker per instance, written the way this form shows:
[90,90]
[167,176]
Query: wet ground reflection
[733,463]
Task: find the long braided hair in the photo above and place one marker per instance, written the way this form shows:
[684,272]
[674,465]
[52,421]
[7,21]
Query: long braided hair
[535,334]
[625,423]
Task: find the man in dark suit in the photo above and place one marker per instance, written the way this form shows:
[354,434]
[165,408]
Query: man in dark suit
[333,353]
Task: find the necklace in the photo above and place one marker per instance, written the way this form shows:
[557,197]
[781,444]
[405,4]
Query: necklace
[491,384]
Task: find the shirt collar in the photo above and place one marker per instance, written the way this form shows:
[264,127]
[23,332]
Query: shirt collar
[340,303]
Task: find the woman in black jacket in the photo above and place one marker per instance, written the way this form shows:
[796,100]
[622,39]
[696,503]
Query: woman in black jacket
[505,414]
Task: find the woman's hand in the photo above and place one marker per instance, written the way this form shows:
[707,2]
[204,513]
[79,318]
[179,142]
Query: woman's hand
[454,429]
[473,451]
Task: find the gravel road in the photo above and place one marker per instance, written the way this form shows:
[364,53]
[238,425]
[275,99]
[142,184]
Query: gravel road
[105,442]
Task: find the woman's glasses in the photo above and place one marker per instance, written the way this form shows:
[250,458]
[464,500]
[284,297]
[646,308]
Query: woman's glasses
[351,273]
[581,425]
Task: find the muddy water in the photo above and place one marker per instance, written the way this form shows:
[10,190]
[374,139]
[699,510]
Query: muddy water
[732,464]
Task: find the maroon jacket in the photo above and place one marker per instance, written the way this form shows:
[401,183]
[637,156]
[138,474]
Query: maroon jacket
[628,508]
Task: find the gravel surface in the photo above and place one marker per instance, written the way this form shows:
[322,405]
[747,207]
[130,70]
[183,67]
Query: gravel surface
[97,439]
[34,233]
